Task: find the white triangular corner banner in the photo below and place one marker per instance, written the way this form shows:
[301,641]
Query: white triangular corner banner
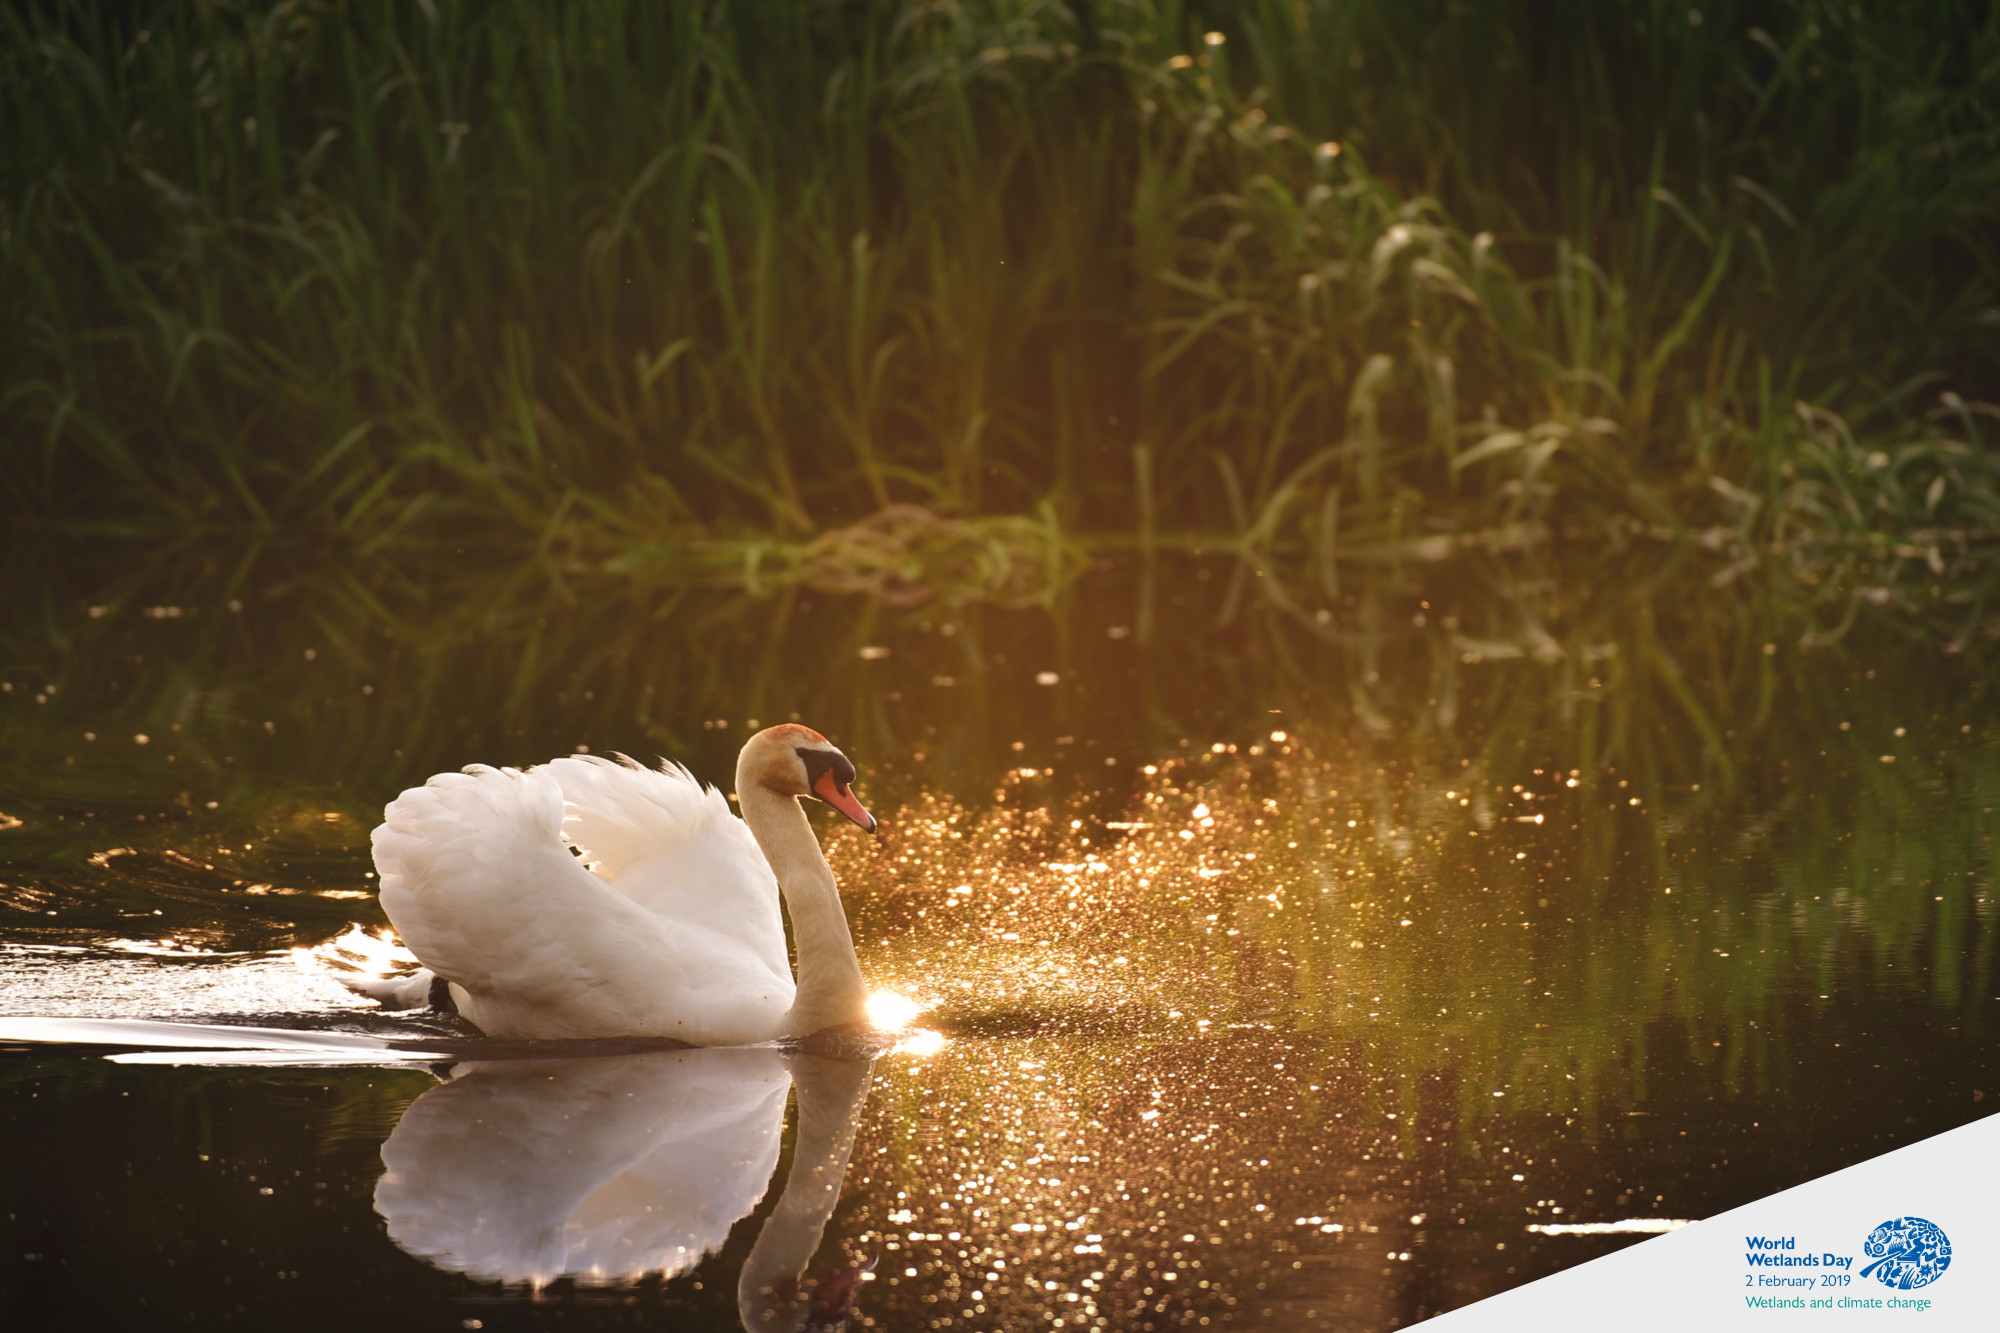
[1909,1240]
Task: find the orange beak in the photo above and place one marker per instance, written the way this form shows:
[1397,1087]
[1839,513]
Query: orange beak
[836,794]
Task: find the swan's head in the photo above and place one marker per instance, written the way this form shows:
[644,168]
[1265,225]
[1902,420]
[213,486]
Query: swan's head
[792,760]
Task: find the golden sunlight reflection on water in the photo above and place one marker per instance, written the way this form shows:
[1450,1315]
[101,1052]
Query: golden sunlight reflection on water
[1119,1187]
[892,1012]
[1283,1043]
[1279,1038]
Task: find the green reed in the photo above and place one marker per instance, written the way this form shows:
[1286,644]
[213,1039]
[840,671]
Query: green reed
[516,325]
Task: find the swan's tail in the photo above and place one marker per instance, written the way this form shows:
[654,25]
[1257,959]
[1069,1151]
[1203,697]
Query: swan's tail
[405,992]
[377,966]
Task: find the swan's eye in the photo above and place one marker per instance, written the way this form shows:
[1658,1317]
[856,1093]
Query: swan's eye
[819,763]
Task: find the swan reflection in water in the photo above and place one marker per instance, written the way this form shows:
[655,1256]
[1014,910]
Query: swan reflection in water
[608,1169]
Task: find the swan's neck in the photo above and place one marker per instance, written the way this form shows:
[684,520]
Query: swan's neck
[830,989]
[769,1293]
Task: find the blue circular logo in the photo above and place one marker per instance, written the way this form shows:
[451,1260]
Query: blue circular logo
[1908,1253]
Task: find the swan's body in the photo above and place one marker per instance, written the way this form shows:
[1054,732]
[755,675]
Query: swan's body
[663,921]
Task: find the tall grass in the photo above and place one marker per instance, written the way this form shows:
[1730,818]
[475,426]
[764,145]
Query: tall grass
[350,302]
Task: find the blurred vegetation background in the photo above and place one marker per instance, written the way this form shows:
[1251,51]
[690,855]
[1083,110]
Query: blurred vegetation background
[1638,340]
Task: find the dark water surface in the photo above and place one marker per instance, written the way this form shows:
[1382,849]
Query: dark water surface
[1256,992]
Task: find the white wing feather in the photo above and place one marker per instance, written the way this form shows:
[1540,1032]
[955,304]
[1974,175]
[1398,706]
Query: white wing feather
[481,886]
[674,848]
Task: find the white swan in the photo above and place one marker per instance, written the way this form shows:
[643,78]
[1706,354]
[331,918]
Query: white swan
[586,898]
